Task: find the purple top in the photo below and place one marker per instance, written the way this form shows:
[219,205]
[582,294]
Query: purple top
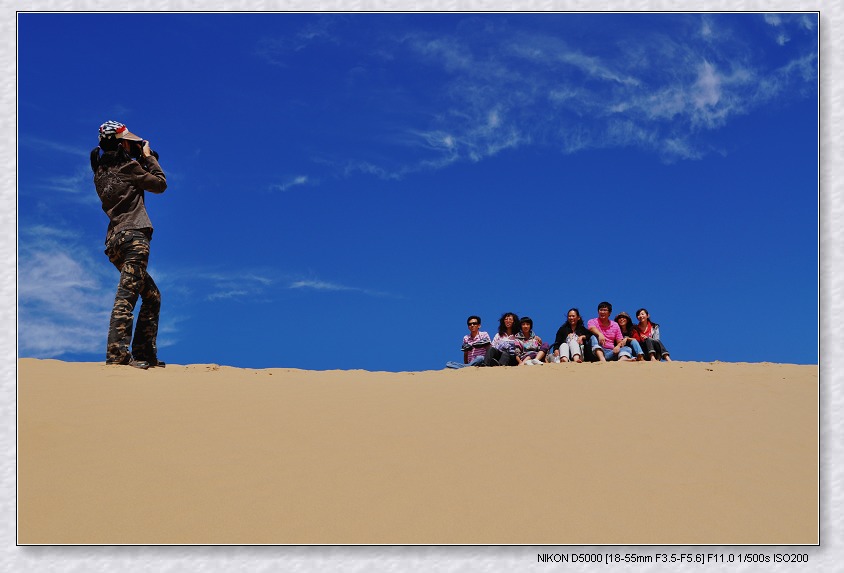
[481,338]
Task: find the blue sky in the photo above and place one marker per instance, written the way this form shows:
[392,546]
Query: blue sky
[345,189]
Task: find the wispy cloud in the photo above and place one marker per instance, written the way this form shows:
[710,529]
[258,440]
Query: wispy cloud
[54,146]
[215,285]
[277,50]
[77,186]
[294,182]
[64,295]
[662,92]
[325,286]
[319,285]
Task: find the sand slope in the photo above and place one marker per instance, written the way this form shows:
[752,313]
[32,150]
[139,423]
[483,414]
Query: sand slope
[679,453]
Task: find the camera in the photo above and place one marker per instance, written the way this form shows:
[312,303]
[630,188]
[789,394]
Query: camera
[136,150]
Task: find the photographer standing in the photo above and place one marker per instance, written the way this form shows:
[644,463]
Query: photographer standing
[124,166]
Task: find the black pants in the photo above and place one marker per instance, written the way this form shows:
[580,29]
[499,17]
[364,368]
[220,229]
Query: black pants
[495,357]
[653,346]
[129,252]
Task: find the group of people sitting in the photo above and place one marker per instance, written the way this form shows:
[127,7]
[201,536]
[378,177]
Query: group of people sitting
[602,339]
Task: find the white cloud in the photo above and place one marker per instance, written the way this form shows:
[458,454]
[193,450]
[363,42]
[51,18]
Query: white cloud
[64,295]
[78,183]
[707,88]
[318,285]
[325,286]
[669,88]
[493,119]
[231,285]
[227,294]
[50,145]
[295,182]
[773,19]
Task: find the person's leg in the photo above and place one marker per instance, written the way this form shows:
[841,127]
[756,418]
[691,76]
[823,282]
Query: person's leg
[588,355]
[129,252]
[597,349]
[144,345]
[507,359]
[492,357]
[573,350]
[527,358]
[564,351]
[625,353]
[638,354]
[649,349]
[661,351]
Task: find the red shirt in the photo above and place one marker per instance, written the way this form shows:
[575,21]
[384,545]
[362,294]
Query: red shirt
[648,333]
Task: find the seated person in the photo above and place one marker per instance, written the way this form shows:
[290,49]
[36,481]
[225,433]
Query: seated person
[606,336]
[647,333]
[571,337]
[505,348]
[475,343]
[625,323]
[533,349]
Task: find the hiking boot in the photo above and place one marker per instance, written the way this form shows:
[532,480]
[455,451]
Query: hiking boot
[153,362]
[143,365]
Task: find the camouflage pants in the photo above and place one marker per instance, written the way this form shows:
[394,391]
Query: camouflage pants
[129,252]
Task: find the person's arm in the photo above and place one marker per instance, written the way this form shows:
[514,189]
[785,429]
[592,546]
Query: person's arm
[593,328]
[496,341]
[582,334]
[147,174]
[655,333]
[558,340]
[619,339]
[465,348]
[484,342]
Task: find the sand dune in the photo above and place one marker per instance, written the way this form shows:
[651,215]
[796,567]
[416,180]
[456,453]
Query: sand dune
[671,453]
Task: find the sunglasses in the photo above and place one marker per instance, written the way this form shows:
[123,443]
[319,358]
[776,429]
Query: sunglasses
[474,323]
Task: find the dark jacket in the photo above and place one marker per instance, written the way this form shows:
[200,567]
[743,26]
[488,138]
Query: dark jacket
[580,330]
[566,329]
[121,190]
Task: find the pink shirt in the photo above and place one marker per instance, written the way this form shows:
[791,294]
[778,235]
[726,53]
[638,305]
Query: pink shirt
[611,332]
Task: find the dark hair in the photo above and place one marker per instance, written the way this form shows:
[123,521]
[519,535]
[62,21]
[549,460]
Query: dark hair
[625,331]
[108,154]
[646,312]
[604,304]
[579,318]
[527,320]
[502,330]
[468,320]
